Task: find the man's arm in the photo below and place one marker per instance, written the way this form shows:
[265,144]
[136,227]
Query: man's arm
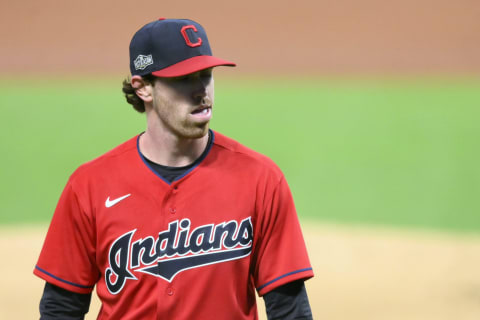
[287,302]
[58,303]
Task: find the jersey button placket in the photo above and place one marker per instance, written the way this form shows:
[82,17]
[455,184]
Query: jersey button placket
[172,209]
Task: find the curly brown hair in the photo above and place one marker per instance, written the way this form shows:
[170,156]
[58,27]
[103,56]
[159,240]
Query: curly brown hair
[130,94]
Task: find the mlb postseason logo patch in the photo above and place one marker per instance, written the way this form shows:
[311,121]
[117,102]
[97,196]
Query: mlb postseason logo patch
[141,62]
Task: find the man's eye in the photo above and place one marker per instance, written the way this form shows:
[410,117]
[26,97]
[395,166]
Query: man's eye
[206,76]
[180,79]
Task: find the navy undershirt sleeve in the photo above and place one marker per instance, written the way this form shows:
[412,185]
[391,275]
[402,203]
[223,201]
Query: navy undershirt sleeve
[289,301]
[286,302]
[58,303]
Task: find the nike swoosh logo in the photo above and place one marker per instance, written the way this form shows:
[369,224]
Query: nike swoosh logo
[109,203]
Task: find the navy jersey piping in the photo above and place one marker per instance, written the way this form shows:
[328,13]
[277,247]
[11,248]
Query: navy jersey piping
[281,277]
[62,280]
[199,160]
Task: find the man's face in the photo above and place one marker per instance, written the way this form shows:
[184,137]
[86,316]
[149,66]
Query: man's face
[184,104]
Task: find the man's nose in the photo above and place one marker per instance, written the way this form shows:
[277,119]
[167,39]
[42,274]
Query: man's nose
[200,89]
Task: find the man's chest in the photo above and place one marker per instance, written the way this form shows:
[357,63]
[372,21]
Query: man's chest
[161,232]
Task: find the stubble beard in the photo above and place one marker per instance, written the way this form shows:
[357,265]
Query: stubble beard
[168,116]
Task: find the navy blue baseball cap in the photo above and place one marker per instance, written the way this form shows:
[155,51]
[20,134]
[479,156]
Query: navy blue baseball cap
[171,48]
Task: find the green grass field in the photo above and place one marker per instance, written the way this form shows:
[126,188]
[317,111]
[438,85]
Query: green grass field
[393,152]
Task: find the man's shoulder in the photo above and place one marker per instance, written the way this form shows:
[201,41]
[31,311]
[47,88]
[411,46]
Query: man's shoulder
[241,153]
[112,158]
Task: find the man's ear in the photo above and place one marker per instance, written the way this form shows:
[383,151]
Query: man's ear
[143,88]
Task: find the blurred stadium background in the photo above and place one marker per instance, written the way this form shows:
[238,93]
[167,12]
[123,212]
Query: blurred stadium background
[370,108]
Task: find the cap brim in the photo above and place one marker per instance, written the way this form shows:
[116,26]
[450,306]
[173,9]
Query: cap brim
[192,65]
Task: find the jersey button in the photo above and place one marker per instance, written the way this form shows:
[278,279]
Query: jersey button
[173,210]
[170,291]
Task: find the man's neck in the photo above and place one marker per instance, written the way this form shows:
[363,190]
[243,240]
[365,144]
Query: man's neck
[168,149]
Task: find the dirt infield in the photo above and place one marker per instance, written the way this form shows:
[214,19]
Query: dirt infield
[359,274]
[261,36]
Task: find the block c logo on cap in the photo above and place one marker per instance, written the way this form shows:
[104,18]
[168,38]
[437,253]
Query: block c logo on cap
[187,39]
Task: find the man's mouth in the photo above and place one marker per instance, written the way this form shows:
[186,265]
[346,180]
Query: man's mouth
[202,110]
[202,114]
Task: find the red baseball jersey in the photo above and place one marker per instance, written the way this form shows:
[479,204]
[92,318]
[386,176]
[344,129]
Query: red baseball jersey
[197,248]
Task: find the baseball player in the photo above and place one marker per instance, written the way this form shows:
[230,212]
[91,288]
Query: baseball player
[179,222]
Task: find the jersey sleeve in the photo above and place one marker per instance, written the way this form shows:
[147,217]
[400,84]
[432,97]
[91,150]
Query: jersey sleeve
[280,252]
[67,259]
